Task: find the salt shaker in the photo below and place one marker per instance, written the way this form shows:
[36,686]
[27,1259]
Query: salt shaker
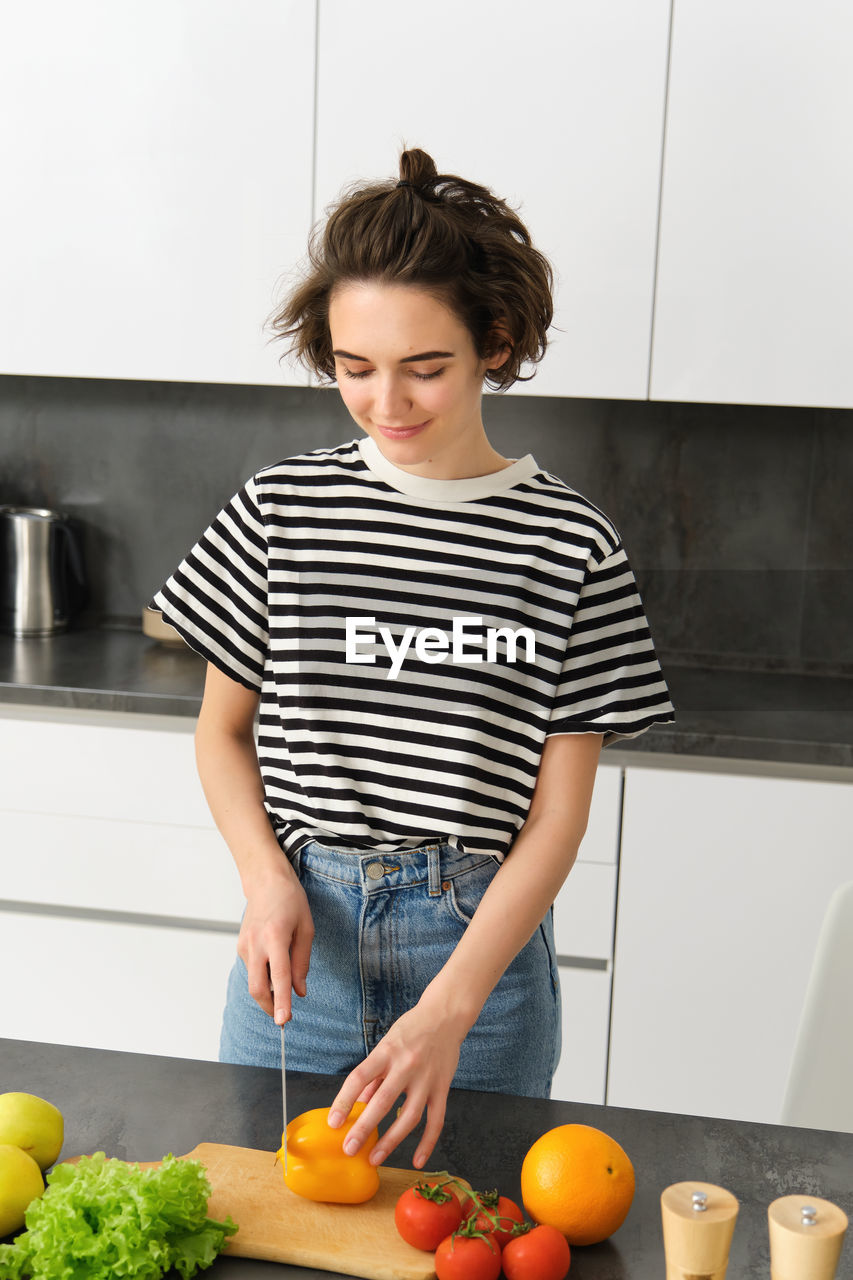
[806,1235]
[698,1225]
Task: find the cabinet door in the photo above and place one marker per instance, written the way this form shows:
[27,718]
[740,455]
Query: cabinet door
[102,865]
[723,885]
[583,931]
[558,108]
[157,182]
[103,766]
[137,988]
[754,299]
[582,1069]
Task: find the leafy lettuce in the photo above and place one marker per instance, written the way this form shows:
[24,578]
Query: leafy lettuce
[103,1218]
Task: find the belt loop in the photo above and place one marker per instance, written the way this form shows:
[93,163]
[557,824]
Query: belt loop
[434,870]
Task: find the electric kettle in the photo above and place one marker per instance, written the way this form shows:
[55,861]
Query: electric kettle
[42,583]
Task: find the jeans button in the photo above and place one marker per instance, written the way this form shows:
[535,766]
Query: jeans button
[375,870]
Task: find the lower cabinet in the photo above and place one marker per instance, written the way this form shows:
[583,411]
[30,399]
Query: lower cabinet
[109,984]
[583,930]
[120,904]
[120,907]
[119,901]
[582,1070]
[723,885]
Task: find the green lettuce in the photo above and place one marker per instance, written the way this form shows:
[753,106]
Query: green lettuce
[102,1218]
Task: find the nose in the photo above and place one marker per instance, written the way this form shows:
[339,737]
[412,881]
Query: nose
[391,400]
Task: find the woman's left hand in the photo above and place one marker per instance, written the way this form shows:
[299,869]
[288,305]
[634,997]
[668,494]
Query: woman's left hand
[417,1057]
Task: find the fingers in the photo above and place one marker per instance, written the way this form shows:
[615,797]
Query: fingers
[280,980]
[359,1080]
[408,1119]
[300,955]
[275,944]
[368,1092]
[261,980]
[434,1125]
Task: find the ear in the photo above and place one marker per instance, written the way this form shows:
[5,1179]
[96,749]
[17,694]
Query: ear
[503,345]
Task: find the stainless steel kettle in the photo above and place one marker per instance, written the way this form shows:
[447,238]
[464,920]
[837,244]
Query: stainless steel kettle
[42,582]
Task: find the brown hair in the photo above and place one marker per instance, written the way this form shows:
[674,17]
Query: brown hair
[453,238]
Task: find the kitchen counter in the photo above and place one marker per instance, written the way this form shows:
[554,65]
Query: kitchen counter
[140,1107]
[762,717]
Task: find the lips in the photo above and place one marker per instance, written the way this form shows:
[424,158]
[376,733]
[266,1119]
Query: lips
[402,433]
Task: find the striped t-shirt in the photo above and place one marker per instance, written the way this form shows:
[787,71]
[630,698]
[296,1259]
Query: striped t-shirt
[414,642]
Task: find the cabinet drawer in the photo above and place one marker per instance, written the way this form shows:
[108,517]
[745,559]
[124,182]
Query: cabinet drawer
[119,866]
[137,988]
[92,770]
[581,1073]
[584,911]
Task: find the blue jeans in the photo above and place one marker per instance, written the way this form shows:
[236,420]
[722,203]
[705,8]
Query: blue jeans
[384,926]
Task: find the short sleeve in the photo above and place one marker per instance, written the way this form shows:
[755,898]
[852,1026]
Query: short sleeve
[217,597]
[611,681]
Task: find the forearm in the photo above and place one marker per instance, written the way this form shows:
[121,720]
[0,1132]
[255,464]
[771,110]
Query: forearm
[228,768]
[510,911]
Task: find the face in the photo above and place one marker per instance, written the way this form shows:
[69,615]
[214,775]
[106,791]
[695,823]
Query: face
[409,374]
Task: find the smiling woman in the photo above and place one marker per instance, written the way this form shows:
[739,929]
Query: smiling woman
[413,806]
[422,408]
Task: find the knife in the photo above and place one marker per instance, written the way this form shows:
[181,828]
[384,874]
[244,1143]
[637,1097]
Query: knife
[283,1100]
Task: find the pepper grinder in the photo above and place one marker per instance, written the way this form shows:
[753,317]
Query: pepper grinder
[698,1225]
[806,1235]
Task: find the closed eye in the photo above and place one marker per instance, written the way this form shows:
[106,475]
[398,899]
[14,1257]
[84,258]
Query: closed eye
[424,377]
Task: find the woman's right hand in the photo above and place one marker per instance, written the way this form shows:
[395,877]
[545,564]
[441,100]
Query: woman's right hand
[275,941]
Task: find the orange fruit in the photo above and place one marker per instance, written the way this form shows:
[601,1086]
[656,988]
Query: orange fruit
[579,1180]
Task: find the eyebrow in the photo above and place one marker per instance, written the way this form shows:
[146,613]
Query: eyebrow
[424,355]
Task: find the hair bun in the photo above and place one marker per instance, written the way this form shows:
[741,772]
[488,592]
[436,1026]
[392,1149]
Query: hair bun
[417,169]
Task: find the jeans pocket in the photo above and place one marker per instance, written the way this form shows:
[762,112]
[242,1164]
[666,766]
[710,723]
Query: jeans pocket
[467,888]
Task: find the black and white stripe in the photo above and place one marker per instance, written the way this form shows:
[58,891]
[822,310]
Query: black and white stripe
[354,756]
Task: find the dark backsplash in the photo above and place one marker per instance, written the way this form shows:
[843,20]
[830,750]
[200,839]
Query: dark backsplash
[737,519]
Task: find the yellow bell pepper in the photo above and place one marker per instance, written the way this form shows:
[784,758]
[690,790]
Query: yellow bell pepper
[318,1168]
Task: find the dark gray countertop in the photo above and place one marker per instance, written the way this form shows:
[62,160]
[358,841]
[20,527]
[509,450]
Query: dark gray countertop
[139,1108]
[748,715]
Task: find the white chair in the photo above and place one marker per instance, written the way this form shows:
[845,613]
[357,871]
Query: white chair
[820,1084]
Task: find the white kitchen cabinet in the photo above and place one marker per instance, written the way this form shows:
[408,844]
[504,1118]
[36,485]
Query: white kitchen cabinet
[559,110]
[157,183]
[723,884]
[754,297]
[141,988]
[113,875]
[584,913]
[119,901]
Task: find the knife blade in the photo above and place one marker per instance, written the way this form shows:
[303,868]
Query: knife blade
[283,1099]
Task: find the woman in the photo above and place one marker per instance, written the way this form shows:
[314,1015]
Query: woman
[438,640]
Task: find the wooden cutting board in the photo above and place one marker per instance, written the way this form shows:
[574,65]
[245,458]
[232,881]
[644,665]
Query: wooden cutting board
[274,1224]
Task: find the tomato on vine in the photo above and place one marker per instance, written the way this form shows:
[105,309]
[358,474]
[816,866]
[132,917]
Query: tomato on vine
[495,1216]
[540,1254]
[471,1257]
[427,1212]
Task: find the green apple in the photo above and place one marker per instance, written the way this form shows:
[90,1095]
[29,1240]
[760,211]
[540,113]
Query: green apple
[33,1125]
[20,1183]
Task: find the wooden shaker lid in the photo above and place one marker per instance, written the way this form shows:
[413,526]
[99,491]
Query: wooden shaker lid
[799,1251]
[697,1241]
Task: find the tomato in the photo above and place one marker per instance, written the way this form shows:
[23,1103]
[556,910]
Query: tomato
[467,1258]
[540,1254]
[426,1213]
[507,1212]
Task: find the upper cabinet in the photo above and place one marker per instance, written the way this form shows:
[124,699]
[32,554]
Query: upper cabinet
[558,107]
[164,164]
[157,164]
[754,299]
